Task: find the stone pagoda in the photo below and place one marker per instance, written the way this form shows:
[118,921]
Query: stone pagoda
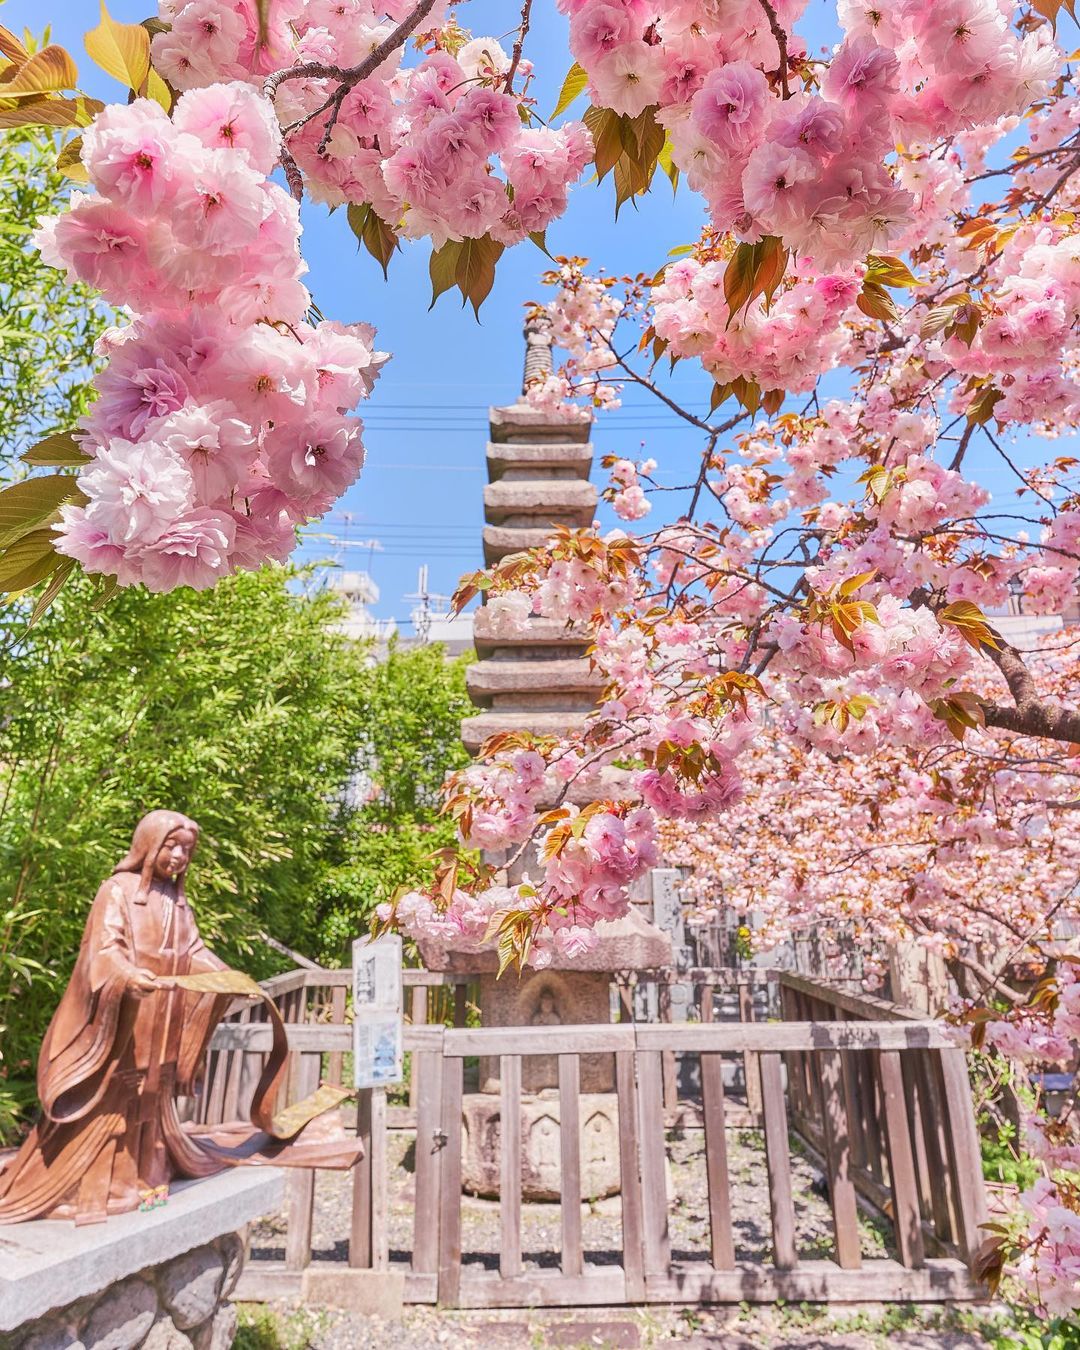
[540,681]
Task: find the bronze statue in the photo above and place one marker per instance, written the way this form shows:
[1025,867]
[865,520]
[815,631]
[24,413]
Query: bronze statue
[130,1035]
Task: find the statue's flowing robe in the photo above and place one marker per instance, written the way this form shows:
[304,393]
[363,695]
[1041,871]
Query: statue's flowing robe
[112,1063]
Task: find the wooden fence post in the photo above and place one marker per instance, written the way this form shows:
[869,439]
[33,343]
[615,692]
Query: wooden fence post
[300,1183]
[450,1183]
[335,1060]
[360,1252]
[429,1152]
[570,1163]
[907,1219]
[630,1177]
[653,1162]
[778,1158]
[966,1163]
[751,1071]
[716,1160]
[838,1160]
[510,1166]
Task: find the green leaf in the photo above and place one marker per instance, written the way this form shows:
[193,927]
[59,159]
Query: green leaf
[60,450]
[876,302]
[642,140]
[539,238]
[47,71]
[372,231]
[51,112]
[109,587]
[158,90]
[25,506]
[69,161]
[27,561]
[719,393]
[753,270]
[885,270]
[12,48]
[476,269]
[606,129]
[122,50]
[970,622]
[443,268]
[981,408]
[666,163]
[572,87]
[52,590]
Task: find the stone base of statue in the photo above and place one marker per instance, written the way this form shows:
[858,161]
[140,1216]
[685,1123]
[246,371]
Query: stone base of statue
[541,1169]
[159,1279]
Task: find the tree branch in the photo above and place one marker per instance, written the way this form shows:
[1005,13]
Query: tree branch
[523,28]
[781,41]
[347,77]
[1033,715]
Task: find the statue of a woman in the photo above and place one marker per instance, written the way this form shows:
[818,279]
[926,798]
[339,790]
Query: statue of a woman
[123,1043]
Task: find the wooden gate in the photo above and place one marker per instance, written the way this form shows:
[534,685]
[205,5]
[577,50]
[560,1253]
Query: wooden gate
[884,1102]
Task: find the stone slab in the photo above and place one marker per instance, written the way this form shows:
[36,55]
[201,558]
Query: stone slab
[48,1263]
[630,943]
[476,730]
[485,679]
[520,422]
[502,540]
[540,500]
[493,630]
[562,459]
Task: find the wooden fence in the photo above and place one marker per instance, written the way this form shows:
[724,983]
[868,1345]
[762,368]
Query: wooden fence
[882,1097]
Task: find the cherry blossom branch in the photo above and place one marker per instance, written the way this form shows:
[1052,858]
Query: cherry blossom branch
[1033,715]
[781,42]
[347,77]
[519,44]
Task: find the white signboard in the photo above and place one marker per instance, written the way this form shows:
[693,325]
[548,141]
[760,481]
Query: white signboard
[377,1049]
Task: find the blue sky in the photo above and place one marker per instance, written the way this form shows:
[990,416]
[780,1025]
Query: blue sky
[419,497]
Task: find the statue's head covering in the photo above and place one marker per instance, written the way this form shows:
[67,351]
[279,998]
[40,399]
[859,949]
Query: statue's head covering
[150,833]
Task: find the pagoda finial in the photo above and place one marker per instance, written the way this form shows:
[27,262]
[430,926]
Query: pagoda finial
[538,363]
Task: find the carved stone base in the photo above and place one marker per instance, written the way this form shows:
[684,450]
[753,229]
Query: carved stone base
[541,1165]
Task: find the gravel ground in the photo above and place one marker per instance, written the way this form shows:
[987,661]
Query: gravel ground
[281,1327]
[688,1214]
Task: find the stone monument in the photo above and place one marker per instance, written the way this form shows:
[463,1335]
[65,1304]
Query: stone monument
[540,681]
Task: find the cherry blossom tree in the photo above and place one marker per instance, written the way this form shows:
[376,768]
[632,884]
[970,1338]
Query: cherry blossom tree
[903,209]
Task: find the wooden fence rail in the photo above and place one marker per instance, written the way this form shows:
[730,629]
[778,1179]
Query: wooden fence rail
[884,1100]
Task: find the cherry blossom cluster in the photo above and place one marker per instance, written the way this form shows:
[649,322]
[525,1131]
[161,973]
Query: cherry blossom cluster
[581,320]
[1050,1261]
[583,868]
[807,165]
[418,144]
[626,494]
[223,417]
[788,345]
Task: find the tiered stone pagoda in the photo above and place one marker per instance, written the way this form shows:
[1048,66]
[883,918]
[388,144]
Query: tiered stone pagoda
[540,681]
[539,478]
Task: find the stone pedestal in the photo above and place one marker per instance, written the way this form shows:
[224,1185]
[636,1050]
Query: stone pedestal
[541,1168]
[159,1280]
[547,998]
[565,994]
